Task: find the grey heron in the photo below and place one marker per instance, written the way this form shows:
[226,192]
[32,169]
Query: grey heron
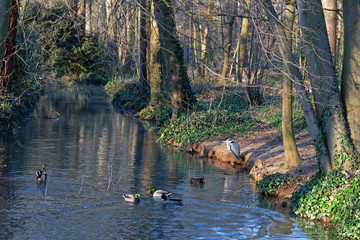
[234,147]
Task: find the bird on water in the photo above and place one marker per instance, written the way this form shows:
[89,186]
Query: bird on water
[41,175]
[132,197]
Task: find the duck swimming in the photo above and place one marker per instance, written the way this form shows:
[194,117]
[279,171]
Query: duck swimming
[41,175]
[197,180]
[157,193]
[132,197]
[166,199]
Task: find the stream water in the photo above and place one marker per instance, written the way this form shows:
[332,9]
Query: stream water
[95,154]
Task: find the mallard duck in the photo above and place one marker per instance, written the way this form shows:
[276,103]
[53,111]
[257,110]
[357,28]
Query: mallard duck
[165,199]
[157,193]
[41,175]
[197,180]
[132,197]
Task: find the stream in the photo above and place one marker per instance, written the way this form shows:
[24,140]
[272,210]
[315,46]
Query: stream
[95,154]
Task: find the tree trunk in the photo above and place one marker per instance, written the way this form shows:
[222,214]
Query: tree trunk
[81,17]
[242,43]
[143,44]
[292,157]
[294,73]
[4,23]
[181,95]
[351,73]
[113,46]
[204,42]
[154,67]
[88,17]
[322,73]
[6,70]
[227,46]
[195,43]
[330,7]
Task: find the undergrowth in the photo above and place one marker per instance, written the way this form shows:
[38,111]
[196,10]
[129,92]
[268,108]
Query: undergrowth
[202,125]
[334,196]
[270,184]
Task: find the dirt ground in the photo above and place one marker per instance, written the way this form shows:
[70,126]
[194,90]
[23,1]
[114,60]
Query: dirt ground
[264,150]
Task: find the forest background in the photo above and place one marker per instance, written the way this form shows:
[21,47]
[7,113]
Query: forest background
[206,69]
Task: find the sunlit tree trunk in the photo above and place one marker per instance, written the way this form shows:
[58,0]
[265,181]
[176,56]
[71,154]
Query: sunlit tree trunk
[112,27]
[205,40]
[81,16]
[351,72]
[195,42]
[154,65]
[292,157]
[88,16]
[293,71]
[242,43]
[143,39]
[9,49]
[330,13]
[228,43]
[181,95]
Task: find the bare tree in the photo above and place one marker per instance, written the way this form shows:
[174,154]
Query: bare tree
[292,157]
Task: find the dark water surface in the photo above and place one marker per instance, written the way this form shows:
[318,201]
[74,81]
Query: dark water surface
[95,154]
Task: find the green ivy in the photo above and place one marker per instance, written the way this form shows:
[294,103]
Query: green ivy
[270,184]
[334,196]
[202,125]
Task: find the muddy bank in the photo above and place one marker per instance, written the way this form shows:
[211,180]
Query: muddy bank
[262,153]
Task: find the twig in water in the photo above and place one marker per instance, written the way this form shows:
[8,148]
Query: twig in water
[118,180]
[110,177]
[46,184]
[82,181]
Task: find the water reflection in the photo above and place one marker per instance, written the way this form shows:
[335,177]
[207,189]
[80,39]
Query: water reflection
[94,155]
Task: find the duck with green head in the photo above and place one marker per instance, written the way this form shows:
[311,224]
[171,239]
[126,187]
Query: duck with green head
[165,199]
[157,193]
[132,197]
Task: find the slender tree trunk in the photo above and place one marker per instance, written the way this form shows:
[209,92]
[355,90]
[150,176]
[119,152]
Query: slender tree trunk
[330,13]
[242,43]
[113,31]
[195,42]
[4,23]
[292,157]
[10,45]
[351,73]
[205,41]
[181,95]
[81,16]
[88,16]
[294,73]
[143,44]
[228,44]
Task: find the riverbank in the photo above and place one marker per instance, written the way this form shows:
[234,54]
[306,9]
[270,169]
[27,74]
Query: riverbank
[262,153]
